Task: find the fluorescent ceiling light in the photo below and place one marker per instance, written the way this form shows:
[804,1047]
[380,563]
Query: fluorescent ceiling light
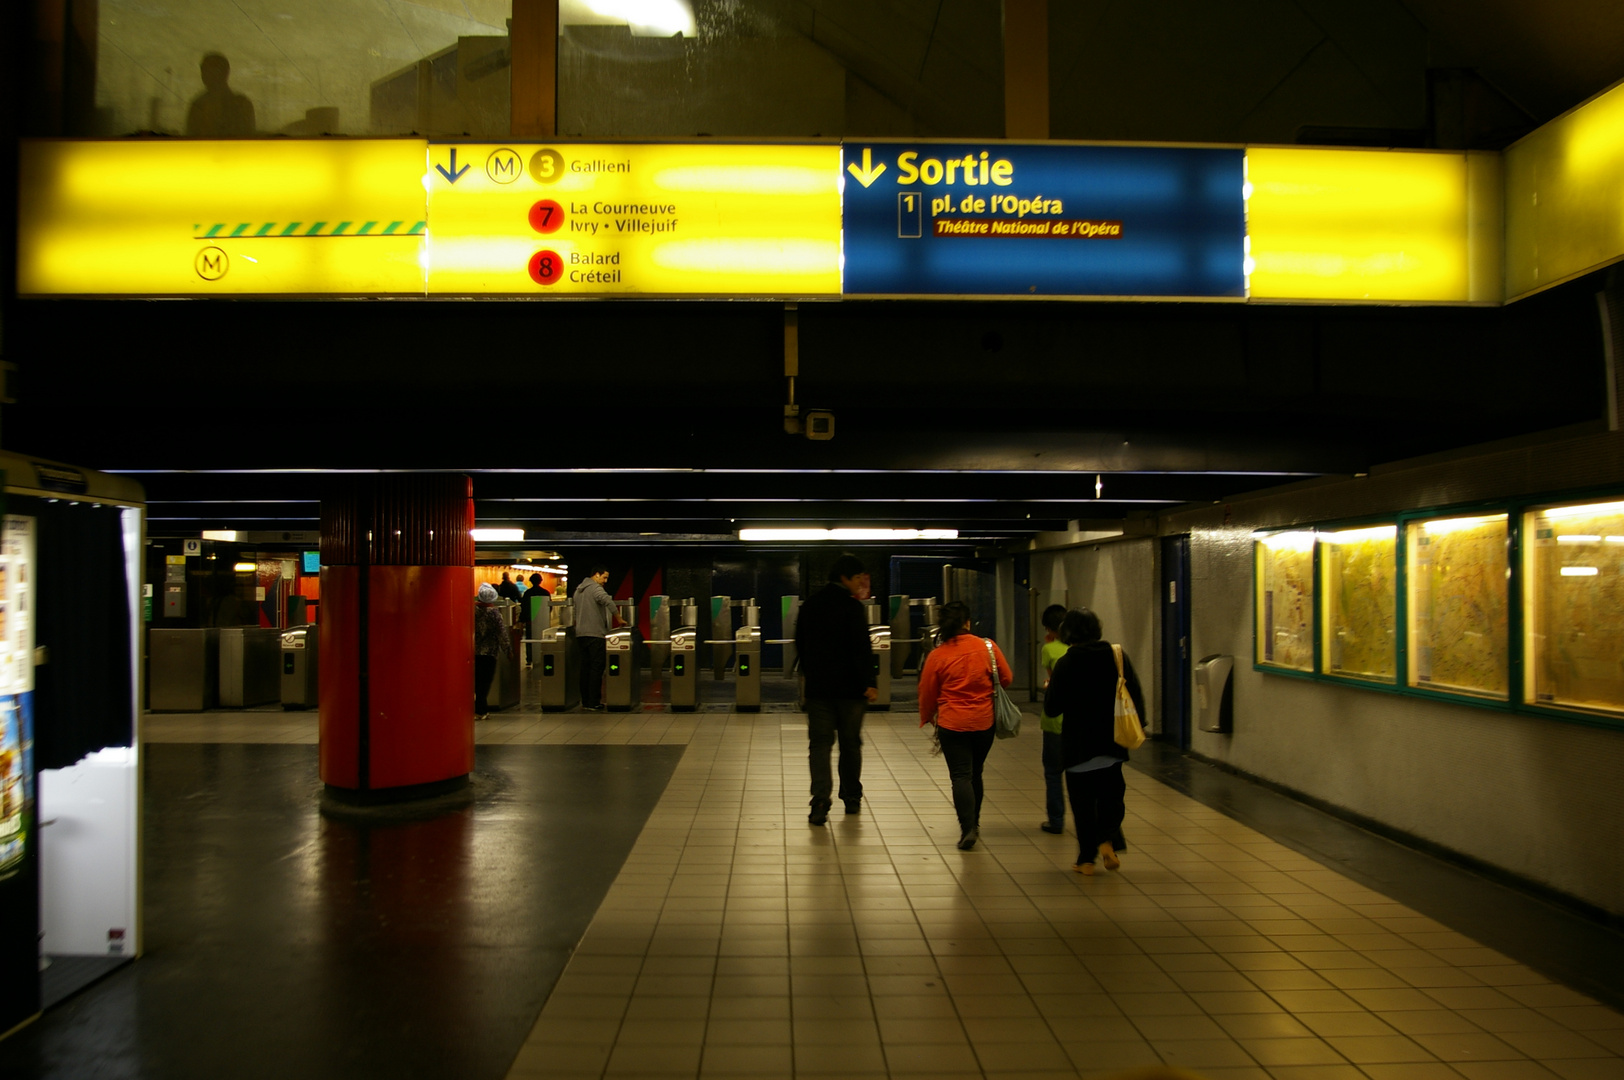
[222,534]
[1585,510]
[848,534]
[1354,536]
[245,567]
[1579,571]
[1579,538]
[1449,525]
[1286,541]
[646,18]
[498,534]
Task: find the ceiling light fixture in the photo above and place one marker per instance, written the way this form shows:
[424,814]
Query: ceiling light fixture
[848,534]
[498,534]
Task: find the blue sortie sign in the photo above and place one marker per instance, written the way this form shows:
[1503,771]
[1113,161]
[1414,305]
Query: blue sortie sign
[969,219]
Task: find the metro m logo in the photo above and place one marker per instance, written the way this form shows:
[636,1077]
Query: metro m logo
[211,264]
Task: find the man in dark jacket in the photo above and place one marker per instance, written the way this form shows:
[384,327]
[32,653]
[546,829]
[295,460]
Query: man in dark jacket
[831,639]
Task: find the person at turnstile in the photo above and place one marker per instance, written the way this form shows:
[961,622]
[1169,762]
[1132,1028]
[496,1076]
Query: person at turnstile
[594,618]
[535,590]
[491,640]
[831,640]
[508,590]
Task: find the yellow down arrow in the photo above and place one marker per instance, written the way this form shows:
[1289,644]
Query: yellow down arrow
[870,172]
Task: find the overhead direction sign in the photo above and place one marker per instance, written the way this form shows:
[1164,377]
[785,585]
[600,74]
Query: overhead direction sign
[1004,219]
[244,217]
[633,219]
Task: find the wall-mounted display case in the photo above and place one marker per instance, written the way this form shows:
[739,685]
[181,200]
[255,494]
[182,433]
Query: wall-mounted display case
[1457,592]
[1359,602]
[1518,606]
[1285,600]
[1573,605]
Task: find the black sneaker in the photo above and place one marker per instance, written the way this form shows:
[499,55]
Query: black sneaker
[854,806]
[1051,827]
[968,840]
[594,708]
[820,812]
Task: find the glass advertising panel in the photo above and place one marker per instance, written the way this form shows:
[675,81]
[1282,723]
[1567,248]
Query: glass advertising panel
[1457,593]
[1284,574]
[1574,606]
[207,70]
[1359,601]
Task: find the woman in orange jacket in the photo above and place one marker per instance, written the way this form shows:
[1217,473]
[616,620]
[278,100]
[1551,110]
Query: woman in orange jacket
[955,693]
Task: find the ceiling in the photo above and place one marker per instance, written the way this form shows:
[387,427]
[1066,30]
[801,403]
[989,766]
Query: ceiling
[628,422]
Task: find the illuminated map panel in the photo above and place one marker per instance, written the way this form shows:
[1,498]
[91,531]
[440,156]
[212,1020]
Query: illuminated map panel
[1359,601]
[1285,600]
[1574,606]
[1457,595]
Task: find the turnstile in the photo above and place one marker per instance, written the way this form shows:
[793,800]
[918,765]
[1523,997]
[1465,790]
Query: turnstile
[248,668]
[789,612]
[879,644]
[552,676]
[620,669]
[747,669]
[300,688]
[659,634]
[685,669]
[184,672]
[721,639]
[901,634]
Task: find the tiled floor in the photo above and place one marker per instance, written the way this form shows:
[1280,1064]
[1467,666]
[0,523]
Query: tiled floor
[739,941]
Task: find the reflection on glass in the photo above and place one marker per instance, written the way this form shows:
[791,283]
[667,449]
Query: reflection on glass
[1457,593]
[1359,571]
[302,67]
[1285,600]
[1574,605]
[680,68]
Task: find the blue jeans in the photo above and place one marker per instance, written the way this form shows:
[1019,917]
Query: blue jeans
[1054,769]
[829,720]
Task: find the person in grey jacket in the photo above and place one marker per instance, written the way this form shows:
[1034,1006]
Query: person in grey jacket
[594,616]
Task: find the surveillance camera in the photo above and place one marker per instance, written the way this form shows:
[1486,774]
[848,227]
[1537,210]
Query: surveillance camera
[820,425]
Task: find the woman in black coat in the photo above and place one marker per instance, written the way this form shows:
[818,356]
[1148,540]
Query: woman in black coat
[1082,691]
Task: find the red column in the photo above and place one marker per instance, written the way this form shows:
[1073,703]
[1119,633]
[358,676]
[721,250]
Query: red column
[397,656]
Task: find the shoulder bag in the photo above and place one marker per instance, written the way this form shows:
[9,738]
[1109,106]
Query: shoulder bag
[1129,733]
[1006,715]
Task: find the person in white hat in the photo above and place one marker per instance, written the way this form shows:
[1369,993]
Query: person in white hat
[491,640]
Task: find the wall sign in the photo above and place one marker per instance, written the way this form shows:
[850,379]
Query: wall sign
[1001,219]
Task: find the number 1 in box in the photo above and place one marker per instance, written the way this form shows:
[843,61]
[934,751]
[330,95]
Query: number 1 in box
[909,216]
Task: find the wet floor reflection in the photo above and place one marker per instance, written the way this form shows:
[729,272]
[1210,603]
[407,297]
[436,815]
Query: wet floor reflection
[405,945]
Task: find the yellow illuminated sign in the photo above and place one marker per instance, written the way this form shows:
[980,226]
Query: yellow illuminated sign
[221,218]
[625,219]
[1564,207]
[1371,225]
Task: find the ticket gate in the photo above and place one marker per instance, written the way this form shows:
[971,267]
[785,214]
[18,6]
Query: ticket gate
[721,639]
[789,612]
[685,669]
[659,634]
[553,678]
[620,669]
[747,669]
[879,644]
[299,667]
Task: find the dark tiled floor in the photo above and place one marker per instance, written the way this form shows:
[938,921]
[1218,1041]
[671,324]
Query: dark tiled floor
[285,942]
